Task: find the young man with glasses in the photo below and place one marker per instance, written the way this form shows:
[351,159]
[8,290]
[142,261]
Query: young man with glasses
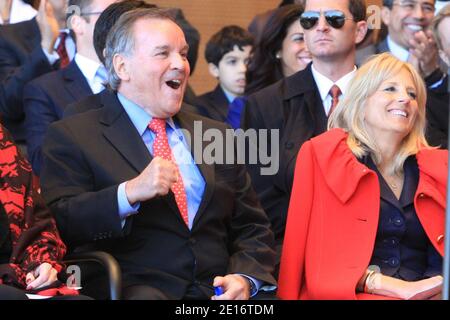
[46,97]
[299,105]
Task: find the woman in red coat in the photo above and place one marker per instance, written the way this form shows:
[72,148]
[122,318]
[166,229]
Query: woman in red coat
[367,210]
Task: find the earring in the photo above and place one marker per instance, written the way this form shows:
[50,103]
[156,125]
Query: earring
[278,55]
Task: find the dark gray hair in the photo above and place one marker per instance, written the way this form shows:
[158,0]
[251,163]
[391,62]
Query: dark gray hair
[120,39]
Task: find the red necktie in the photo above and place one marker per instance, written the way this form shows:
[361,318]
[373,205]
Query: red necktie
[335,92]
[162,149]
[61,50]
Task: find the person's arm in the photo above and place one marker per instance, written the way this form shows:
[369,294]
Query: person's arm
[380,284]
[39,114]
[83,214]
[251,240]
[14,76]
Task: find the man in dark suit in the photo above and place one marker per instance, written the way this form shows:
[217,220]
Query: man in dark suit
[121,178]
[438,102]
[46,97]
[26,52]
[298,106]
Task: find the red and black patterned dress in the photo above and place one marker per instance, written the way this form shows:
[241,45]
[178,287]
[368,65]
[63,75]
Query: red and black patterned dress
[28,234]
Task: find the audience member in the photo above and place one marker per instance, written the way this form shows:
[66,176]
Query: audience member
[367,212]
[281,50]
[46,97]
[227,54]
[298,106]
[28,50]
[439,97]
[122,178]
[30,246]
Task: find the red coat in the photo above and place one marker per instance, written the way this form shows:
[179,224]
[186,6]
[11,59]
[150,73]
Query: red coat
[333,218]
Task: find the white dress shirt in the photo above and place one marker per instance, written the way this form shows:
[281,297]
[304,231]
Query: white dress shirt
[89,69]
[397,50]
[20,12]
[324,85]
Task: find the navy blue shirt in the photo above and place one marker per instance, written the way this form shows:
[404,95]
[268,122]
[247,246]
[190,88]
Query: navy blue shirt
[402,248]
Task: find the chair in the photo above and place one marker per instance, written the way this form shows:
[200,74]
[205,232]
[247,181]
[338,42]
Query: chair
[108,262]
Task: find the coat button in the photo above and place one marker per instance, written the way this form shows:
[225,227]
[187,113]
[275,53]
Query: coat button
[289,145]
[192,241]
[440,238]
[393,262]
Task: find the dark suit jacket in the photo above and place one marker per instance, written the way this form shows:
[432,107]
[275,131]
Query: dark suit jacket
[45,99]
[21,60]
[88,155]
[293,106]
[438,104]
[214,104]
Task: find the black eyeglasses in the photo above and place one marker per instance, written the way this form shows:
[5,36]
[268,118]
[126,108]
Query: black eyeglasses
[334,18]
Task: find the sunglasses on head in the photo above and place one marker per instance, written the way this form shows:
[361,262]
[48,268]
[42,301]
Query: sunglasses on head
[334,18]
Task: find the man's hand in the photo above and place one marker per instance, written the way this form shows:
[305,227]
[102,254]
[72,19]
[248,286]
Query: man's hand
[42,276]
[156,180]
[48,25]
[424,53]
[236,287]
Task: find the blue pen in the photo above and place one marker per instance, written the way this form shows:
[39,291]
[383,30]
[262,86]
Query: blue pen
[218,290]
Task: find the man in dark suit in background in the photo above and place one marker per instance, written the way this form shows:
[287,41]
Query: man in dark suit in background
[105,23]
[27,52]
[122,178]
[46,97]
[299,105]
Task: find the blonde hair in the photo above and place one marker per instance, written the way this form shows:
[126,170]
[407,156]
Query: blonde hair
[442,14]
[349,113]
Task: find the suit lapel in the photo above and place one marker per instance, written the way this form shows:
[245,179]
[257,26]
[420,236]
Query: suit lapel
[186,121]
[75,82]
[129,145]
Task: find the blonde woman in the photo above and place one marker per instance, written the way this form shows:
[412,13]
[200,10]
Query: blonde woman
[366,217]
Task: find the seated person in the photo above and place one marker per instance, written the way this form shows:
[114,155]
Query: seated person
[227,54]
[281,50]
[367,211]
[122,178]
[30,246]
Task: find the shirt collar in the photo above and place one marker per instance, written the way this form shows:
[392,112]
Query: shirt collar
[324,84]
[397,51]
[138,116]
[87,66]
[228,95]
[20,11]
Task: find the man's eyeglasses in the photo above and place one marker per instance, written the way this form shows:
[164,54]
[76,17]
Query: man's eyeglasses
[84,14]
[410,5]
[334,18]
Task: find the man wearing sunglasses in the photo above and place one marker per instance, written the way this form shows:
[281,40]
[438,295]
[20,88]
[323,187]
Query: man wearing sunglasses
[299,105]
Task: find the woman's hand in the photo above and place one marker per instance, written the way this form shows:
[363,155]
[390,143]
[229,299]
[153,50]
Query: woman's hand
[393,287]
[42,276]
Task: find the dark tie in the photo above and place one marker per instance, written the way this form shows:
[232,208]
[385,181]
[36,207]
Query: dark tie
[234,112]
[61,50]
[162,149]
[335,92]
